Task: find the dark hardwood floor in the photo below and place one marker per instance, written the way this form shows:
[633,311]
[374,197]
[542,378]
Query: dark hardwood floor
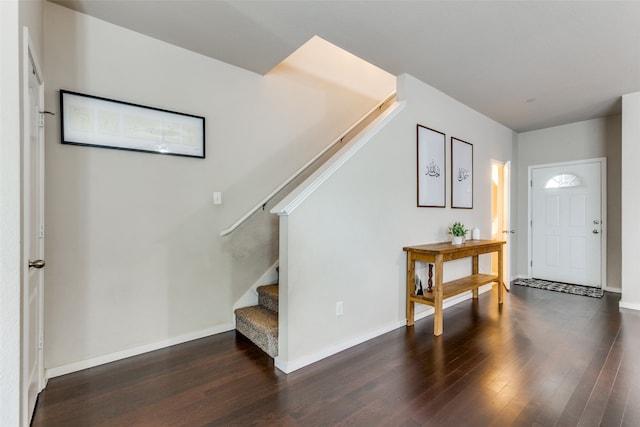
[543,359]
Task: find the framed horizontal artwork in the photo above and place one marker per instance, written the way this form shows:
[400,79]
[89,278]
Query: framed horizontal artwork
[461,174]
[431,167]
[99,122]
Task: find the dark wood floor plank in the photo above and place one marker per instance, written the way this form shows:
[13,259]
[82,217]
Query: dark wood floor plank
[542,359]
[601,393]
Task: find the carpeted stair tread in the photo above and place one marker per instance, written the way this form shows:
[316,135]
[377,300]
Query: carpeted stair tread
[268,297]
[260,325]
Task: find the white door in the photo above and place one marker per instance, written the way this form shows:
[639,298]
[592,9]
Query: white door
[33,239]
[567,222]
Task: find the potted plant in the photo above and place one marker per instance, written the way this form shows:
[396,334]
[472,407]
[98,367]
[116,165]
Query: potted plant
[458,231]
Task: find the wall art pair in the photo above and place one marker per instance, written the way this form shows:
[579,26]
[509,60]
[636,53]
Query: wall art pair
[431,146]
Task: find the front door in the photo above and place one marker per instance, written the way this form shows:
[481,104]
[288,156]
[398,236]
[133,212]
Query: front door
[567,222]
[33,239]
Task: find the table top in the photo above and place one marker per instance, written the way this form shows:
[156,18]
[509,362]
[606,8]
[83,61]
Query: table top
[448,247]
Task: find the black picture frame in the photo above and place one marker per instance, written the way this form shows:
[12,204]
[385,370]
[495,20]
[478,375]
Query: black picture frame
[431,167]
[94,121]
[461,174]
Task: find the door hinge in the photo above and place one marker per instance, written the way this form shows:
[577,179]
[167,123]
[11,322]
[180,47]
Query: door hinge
[531,263]
[531,183]
[42,231]
[41,342]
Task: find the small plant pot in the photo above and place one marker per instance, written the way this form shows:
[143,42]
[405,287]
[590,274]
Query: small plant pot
[457,240]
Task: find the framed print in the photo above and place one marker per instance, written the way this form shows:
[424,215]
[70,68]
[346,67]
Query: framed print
[99,122]
[431,167]
[461,174]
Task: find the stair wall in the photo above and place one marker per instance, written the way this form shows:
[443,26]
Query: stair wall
[342,242]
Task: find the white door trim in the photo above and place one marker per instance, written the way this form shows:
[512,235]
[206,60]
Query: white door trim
[603,200]
[507,226]
[506,214]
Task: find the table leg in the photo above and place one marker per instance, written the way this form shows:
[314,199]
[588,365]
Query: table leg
[437,301]
[500,276]
[411,280]
[474,270]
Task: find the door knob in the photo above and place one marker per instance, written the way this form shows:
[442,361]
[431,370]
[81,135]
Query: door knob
[39,263]
[595,232]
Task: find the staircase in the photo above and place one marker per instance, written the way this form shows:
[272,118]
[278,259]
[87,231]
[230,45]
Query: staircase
[259,322]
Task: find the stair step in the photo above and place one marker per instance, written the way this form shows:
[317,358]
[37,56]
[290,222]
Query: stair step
[268,297]
[260,325]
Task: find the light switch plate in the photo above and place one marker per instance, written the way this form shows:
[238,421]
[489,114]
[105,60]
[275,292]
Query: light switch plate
[217,198]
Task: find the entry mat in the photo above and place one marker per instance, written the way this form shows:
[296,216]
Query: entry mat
[567,288]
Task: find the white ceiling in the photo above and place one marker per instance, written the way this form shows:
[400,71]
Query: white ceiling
[525,64]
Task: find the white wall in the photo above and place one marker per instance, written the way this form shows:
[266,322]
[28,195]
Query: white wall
[630,200]
[576,141]
[344,242]
[10,251]
[135,259]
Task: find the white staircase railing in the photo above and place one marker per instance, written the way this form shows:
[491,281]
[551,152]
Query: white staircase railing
[297,173]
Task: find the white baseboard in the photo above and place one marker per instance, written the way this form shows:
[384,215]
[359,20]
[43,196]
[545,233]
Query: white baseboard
[290,366]
[119,355]
[629,305]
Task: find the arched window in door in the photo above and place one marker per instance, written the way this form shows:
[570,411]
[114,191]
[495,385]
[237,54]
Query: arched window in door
[564,180]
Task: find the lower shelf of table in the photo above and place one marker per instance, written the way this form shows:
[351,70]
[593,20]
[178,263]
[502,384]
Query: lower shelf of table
[455,287]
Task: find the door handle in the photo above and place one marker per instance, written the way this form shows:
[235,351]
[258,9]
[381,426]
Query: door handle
[509,231]
[595,232]
[39,263]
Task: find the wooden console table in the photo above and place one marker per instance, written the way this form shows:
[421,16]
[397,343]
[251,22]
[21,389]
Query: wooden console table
[439,253]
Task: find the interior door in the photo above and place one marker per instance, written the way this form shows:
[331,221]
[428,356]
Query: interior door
[567,223]
[33,239]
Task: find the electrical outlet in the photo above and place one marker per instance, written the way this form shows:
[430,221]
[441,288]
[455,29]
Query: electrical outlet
[339,308]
